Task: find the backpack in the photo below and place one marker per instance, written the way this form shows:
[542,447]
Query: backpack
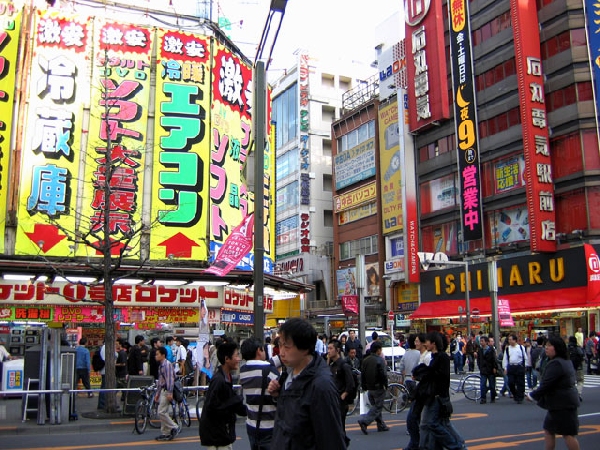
[178,391]
[188,367]
[576,356]
[354,391]
[97,361]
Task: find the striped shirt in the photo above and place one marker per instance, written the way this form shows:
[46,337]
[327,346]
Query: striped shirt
[166,377]
[251,379]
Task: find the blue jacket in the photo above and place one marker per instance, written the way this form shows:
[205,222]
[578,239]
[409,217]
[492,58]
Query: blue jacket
[82,358]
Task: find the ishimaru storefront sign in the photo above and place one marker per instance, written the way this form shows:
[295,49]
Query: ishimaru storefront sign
[540,282]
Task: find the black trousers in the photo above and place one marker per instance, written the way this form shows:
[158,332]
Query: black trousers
[516,381]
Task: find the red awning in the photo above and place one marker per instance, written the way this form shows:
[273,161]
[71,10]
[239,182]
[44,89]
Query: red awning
[558,299]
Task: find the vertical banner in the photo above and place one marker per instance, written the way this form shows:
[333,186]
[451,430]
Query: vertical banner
[389,160]
[592,27]
[465,119]
[10,28]
[231,121]
[118,122]
[426,63]
[536,141]
[181,157]
[59,88]
[593,274]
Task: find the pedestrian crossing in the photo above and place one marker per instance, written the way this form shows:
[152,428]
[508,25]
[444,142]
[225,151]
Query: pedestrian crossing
[590,381]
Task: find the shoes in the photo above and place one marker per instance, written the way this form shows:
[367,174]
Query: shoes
[164,437]
[483,402]
[384,428]
[175,431]
[519,402]
[363,427]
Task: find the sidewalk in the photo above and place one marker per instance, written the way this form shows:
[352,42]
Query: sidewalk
[89,419]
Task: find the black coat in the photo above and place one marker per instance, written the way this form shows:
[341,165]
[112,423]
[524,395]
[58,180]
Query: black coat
[557,388]
[217,421]
[308,411]
[373,373]
[486,361]
[354,344]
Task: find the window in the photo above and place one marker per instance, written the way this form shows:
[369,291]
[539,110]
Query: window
[327,183]
[288,196]
[287,164]
[364,246]
[357,136]
[285,115]
[327,218]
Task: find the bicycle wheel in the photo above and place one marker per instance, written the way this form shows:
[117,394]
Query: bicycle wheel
[392,398]
[184,413]
[402,399]
[472,387]
[141,416]
[153,419]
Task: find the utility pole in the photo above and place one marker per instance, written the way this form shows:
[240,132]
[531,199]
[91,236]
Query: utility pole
[259,124]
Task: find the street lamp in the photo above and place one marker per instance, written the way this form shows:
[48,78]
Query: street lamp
[259,124]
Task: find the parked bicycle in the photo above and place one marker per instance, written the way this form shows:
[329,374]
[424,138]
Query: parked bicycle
[146,410]
[396,396]
[469,385]
[181,411]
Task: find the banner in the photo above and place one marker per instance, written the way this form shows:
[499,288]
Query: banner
[236,246]
[117,130]
[59,89]
[466,123]
[181,156]
[593,273]
[504,314]
[10,29]
[390,160]
[350,304]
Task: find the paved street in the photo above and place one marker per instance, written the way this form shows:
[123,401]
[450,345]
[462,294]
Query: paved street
[485,427]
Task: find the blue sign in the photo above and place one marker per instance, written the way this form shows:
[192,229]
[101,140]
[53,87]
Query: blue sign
[238,317]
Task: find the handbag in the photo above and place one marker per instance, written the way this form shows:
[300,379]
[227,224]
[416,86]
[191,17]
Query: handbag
[446,408]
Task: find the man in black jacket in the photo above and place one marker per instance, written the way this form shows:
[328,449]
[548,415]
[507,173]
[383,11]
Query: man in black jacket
[486,360]
[354,343]
[135,360]
[374,380]
[342,375]
[217,421]
[308,407]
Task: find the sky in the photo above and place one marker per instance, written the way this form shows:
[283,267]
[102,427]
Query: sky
[334,29]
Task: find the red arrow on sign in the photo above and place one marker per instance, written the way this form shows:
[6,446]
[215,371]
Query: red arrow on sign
[45,236]
[179,245]
[115,247]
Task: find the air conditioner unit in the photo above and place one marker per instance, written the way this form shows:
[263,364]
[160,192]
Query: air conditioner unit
[328,248]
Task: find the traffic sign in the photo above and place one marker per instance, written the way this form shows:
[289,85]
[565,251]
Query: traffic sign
[391,315]
[475,312]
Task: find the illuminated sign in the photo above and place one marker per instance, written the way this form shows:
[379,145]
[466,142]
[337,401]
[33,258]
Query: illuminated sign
[465,119]
[534,123]
[304,119]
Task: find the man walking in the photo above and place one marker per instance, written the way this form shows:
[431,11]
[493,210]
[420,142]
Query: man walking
[342,375]
[164,396]
[374,380]
[354,343]
[514,361]
[255,376]
[135,361]
[486,360]
[308,410]
[82,365]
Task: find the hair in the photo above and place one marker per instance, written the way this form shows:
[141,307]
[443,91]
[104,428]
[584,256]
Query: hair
[572,340]
[541,340]
[484,339]
[153,341]
[169,339]
[249,348]
[411,341]
[353,348]
[226,349]
[301,333]
[139,338]
[559,346]
[161,350]
[268,340]
[436,339]
[344,338]
[374,335]
[513,336]
[337,344]
[375,347]
[371,271]
[592,334]
[83,341]
[422,337]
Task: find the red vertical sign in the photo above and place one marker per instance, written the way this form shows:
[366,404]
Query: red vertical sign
[536,142]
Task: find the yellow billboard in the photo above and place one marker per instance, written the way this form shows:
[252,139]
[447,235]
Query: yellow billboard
[51,153]
[181,157]
[10,28]
[390,161]
[231,124]
[117,140]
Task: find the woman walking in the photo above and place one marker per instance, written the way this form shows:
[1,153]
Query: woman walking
[557,393]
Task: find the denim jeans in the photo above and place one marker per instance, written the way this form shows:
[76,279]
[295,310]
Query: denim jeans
[488,382]
[102,395]
[459,362]
[436,431]
[531,376]
[260,441]
[413,420]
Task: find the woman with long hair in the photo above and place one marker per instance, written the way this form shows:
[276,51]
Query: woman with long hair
[557,393]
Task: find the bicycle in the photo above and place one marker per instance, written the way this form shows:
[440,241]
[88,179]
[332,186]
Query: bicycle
[146,410]
[396,397]
[181,410]
[469,385]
